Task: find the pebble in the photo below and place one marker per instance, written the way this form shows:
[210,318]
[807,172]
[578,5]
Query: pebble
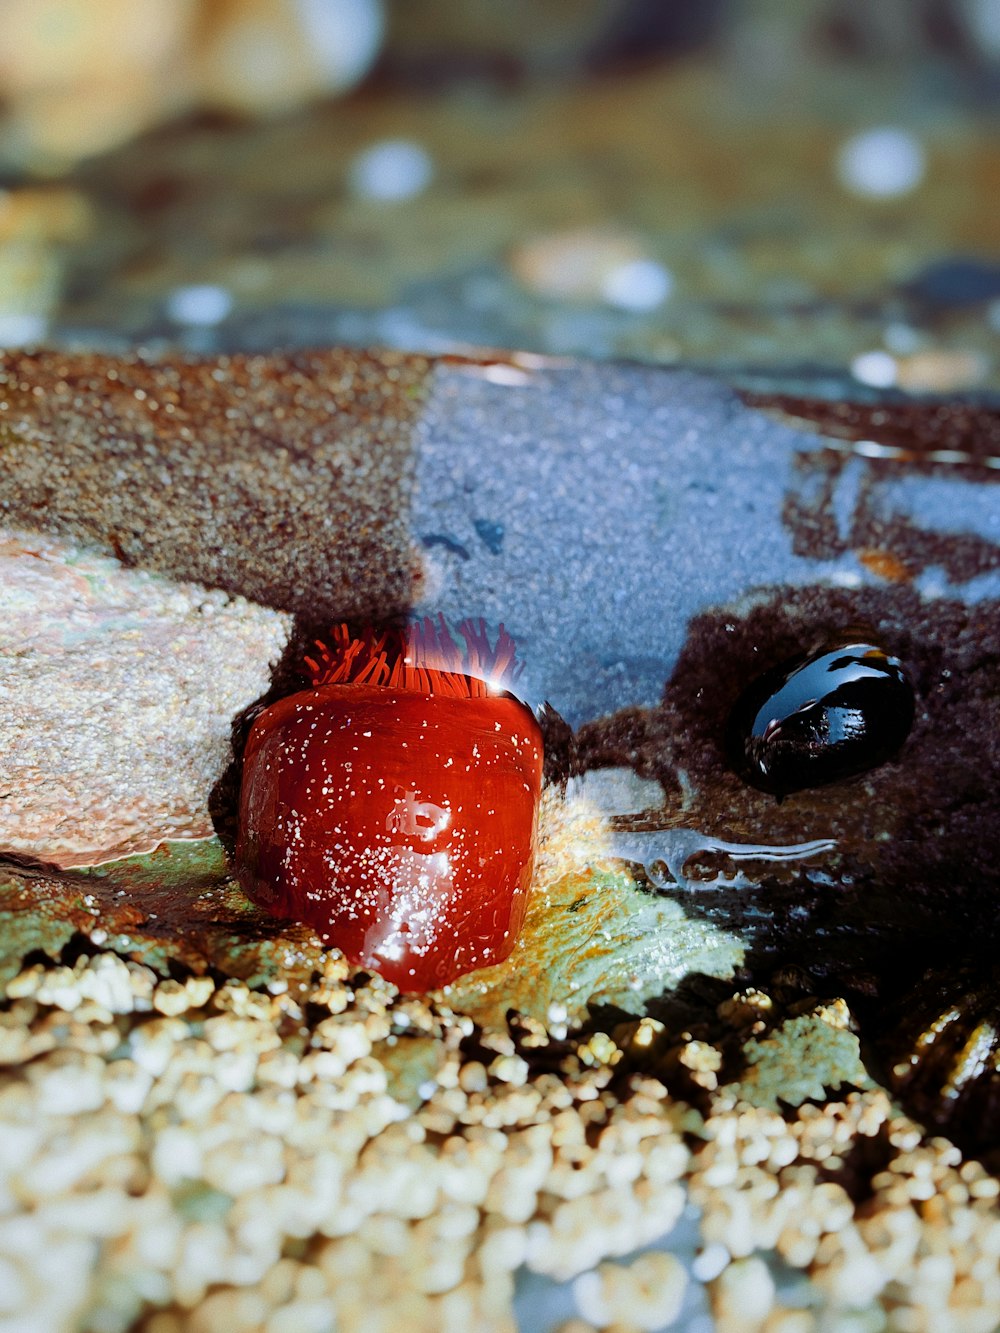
[591,264]
[258,57]
[391,171]
[877,369]
[201,305]
[639,284]
[983,17]
[22,328]
[36,227]
[82,76]
[940,370]
[884,162]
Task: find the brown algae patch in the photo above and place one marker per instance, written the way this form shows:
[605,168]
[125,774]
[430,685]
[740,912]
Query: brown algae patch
[119,692]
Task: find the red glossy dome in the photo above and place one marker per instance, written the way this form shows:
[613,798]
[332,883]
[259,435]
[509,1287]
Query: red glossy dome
[398,820]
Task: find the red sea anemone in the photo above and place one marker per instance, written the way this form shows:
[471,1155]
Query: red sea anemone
[393,805]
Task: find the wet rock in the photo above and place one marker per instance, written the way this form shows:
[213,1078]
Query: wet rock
[952,283]
[81,78]
[120,689]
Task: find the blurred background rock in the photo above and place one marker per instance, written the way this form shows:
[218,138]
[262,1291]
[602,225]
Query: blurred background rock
[80,77]
[799,192]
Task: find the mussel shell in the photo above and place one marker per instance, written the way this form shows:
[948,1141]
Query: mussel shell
[941,1053]
[821,717]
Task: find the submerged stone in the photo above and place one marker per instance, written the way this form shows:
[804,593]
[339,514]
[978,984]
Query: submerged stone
[821,718]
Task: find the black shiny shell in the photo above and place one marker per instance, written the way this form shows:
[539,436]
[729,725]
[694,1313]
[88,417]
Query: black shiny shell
[942,1054]
[821,718]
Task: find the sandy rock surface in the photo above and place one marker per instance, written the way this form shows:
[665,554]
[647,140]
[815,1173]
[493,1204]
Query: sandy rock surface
[119,689]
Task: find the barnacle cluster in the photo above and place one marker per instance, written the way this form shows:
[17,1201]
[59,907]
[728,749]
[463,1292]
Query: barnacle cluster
[206,1155]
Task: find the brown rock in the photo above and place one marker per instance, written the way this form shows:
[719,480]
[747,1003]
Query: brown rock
[283,479]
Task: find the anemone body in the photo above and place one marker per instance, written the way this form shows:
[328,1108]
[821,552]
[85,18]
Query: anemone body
[395,814]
